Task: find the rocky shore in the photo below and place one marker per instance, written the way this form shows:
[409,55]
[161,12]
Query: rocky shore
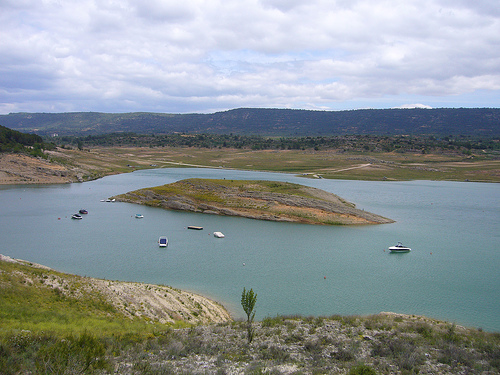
[263,200]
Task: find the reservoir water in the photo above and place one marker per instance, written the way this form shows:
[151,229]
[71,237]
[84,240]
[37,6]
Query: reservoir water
[452,272]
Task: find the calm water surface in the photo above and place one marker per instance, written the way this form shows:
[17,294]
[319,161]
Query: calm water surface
[453,229]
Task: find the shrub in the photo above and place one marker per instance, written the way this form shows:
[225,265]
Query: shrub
[362,370]
[81,355]
[344,355]
[274,353]
[271,322]
[453,355]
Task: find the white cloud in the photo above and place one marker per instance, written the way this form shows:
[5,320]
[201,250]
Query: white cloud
[201,55]
[417,105]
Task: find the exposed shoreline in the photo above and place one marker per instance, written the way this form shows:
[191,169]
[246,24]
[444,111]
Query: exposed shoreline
[21,169]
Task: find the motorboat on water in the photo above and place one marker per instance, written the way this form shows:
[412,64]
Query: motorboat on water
[399,248]
[218,234]
[139,216]
[163,241]
[83,211]
[77,217]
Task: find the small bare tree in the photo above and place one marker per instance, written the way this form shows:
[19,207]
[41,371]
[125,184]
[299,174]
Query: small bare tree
[248,300]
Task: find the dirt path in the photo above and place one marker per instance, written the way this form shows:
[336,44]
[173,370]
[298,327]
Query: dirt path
[348,169]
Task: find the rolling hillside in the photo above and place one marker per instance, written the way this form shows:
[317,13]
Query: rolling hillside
[483,122]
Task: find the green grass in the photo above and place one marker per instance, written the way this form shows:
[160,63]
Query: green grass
[201,189]
[38,307]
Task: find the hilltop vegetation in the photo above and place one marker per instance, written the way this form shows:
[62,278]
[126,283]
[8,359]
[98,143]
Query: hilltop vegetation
[14,141]
[479,122]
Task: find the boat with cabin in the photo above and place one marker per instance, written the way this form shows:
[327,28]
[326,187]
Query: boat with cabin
[399,248]
[163,241]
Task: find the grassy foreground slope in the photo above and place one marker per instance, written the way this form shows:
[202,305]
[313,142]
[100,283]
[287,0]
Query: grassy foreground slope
[51,324]
[57,302]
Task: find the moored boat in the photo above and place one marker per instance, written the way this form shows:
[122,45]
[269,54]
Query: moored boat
[195,227]
[218,234]
[163,241]
[83,211]
[399,248]
[139,216]
[77,217]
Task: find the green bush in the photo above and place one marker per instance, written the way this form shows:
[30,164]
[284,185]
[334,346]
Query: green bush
[80,355]
[362,370]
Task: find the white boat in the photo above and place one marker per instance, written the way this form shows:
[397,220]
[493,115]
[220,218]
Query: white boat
[139,216]
[399,248]
[163,241]
[218,235]
[77,217]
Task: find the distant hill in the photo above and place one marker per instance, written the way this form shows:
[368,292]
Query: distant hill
[267,122]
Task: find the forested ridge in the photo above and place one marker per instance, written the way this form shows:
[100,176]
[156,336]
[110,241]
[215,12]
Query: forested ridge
[483,122]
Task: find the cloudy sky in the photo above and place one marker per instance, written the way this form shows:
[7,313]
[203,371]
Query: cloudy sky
[184,56]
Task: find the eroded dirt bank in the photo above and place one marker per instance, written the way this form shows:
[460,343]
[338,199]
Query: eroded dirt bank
[19,169]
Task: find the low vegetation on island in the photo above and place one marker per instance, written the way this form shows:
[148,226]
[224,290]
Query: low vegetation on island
[264,200]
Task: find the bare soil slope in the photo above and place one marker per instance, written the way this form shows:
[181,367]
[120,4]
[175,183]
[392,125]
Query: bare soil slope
[17,169]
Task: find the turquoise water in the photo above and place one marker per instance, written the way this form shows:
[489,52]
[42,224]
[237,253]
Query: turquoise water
[451,273]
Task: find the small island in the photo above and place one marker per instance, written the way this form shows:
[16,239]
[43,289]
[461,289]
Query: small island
[263,200]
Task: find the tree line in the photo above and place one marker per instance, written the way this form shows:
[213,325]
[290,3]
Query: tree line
[360,143]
